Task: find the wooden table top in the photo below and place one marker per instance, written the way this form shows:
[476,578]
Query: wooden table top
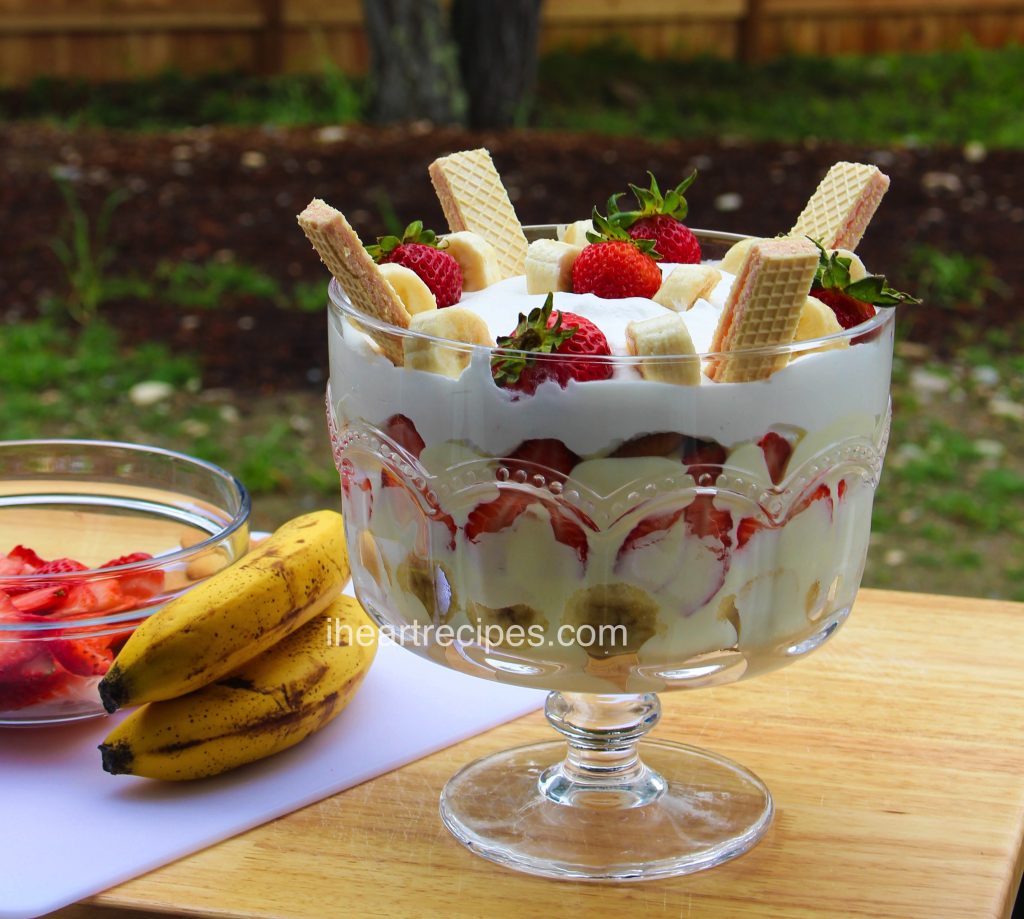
[895,755]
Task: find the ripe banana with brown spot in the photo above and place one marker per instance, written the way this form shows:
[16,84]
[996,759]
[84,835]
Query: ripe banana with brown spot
[269,704]
[236,614]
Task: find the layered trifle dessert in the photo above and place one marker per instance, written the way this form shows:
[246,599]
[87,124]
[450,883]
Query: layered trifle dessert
[615,455]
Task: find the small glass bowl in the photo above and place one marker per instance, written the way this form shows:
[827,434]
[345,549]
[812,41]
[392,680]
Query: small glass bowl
[98,503]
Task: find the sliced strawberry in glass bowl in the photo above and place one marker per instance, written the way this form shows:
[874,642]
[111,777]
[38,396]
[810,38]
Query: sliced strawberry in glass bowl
[95,537]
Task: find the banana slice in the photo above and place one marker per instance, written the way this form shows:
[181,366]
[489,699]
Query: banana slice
[857,269]
[549,266]
[477,259]
[575,234]
[410,287]
[455,323]
[685,285]
[664,335]
[816,320]
[734,258]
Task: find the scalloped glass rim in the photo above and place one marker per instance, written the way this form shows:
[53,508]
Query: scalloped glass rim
[340,302]
[64,625]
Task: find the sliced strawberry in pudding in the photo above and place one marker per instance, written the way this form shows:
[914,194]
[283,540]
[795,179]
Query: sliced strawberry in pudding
[681,554]
[402,431]
[777,450]
[703,458]
[548,453]
[661,443]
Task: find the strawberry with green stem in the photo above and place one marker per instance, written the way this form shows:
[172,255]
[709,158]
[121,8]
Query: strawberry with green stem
[548,344]
[660,219]
[616,265]
[852,302]
[420,251]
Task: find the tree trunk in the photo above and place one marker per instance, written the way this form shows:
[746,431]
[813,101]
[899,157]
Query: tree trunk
[497,41]
[413,63]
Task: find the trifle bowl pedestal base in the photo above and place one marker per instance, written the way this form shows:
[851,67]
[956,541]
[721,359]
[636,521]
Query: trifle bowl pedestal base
[604,805]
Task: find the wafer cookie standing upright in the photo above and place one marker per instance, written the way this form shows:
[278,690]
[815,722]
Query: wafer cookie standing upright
[839,211]
[341,250]
[473,198]
[762,310]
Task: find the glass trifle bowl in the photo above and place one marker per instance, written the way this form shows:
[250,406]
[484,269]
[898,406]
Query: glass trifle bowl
[606,541]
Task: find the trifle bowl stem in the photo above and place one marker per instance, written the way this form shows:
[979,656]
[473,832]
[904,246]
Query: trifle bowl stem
[606,804]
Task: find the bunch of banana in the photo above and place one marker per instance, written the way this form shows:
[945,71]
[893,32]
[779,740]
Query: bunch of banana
[244,664]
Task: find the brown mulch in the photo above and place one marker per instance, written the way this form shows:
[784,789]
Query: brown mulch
[228,192]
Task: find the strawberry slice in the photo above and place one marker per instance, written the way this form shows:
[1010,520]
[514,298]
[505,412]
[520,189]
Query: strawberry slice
[746,529]
[402,431]
[62,566]
[42,600]
[91,597]
[139,584]
[821,493]
[547,452]
[849,311]
[648,530]
[494,516]
[703,457]
[709,522]
[777,450]
[29,559]
[569,533]
[661,443]
[11,567]
[83,656]
[36,678]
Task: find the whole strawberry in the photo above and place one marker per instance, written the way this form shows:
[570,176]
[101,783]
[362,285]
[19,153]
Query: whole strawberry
[550,332]
[853,303]
[614,265]
[660,219]
[419,250]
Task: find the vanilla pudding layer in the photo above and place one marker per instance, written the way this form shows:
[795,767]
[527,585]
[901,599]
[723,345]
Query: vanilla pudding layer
[619,541]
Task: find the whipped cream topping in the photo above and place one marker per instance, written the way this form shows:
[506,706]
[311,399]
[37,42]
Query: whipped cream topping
[809,394]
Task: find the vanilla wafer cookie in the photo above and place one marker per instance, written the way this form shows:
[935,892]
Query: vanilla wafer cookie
[763,309]
[341,250]
[842,206]
[473,198]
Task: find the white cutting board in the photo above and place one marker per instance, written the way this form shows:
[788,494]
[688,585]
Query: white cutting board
[69,830]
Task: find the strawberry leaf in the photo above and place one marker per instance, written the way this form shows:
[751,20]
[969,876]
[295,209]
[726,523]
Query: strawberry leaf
[533,335]
[610,230]
[652,202]
[834,272]
[413,233]
[833,269]
[873,289]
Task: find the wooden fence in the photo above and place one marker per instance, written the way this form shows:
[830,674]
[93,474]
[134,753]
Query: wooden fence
[122,39]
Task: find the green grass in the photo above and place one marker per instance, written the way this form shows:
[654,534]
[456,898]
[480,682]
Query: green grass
[949,513]
[947,97]
[943,98]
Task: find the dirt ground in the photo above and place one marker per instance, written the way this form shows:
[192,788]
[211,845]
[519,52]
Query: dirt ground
[234,192]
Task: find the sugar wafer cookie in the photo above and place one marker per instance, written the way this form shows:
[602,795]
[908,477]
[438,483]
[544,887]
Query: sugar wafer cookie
[473,198]
[842,206]
[341,250]
[763,309]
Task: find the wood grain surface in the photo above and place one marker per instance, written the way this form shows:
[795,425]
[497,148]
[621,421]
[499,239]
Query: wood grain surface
[895,755]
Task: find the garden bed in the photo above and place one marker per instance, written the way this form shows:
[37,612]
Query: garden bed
[215,196]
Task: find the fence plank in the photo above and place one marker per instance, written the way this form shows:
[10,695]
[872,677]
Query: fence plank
[122,39]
